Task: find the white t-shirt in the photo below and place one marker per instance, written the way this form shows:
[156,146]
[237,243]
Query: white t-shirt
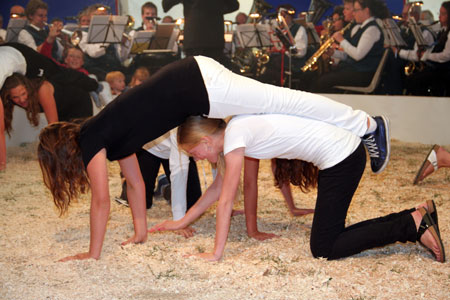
[166,147]
[290,137]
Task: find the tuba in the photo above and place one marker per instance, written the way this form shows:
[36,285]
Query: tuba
[311,63]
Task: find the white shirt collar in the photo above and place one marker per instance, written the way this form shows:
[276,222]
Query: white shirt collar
[367,21]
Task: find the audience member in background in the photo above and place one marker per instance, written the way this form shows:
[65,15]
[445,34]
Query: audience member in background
[116,81]
[140,75]
[241,18]
[35,35]
[437,158]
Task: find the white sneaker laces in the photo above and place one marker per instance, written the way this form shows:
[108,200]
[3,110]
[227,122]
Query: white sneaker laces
[372,146]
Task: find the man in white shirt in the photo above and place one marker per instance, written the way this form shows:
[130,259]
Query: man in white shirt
[362,50]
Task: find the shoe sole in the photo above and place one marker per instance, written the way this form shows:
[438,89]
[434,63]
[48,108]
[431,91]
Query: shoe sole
[424,165]
[388,144]
[121,201]
[434,232]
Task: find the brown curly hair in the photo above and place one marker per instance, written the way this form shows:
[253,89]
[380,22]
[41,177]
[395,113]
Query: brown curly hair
[60,159]
[298,172]
[33,107]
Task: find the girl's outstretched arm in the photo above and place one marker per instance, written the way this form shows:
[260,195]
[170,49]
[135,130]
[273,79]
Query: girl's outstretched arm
[100,206]
[136,196]
[206,200]
[233,162]
[47,101]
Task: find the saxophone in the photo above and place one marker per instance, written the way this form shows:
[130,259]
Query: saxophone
[311,63]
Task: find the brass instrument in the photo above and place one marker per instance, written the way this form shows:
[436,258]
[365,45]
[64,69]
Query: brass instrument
[311,63]
[412,67]
[251,61]
[74,36]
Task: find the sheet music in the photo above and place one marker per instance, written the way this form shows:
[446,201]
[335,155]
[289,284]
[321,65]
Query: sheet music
[417,32]
[254,35]
[141,41]
[392,35]
[106,29]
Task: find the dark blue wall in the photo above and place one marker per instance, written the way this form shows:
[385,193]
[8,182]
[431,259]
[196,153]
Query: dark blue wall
[64,8]
[56,8]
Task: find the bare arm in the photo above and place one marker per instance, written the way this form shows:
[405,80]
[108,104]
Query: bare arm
[100,206]
[206,200]
[234,162]
[2,138]
[47,101]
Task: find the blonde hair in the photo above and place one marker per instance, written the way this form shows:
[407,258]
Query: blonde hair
[194,129]
[141,74]
[111,76]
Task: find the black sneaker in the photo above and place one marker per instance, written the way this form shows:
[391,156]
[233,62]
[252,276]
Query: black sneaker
[162,181]
[378,145]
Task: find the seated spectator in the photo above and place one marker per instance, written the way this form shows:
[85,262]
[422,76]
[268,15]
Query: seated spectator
[116,80]
[35,35]
[140,75]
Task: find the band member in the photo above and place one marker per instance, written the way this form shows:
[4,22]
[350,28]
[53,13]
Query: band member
[363,50]
[35,35]
[434,77]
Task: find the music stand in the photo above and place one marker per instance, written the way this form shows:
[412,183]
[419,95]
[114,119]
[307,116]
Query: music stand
[164,38]
[106,29]
[13,29]
[141,41]
[392,35]
[417,33]
[254,35]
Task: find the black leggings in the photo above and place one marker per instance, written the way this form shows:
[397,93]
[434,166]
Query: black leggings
[150,164]
[329,236]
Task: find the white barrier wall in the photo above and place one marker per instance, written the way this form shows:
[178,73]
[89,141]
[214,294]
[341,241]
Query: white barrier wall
[413,119]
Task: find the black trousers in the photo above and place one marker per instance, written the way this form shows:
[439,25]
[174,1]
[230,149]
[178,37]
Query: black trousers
[326,82]
[150,164]
[329,236]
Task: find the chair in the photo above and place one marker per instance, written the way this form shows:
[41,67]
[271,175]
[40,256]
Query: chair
[375,80]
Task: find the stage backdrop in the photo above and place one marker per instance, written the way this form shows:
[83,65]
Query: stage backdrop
[66,10]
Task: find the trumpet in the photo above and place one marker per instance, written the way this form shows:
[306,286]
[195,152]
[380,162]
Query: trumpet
[311,63]
[74,36]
